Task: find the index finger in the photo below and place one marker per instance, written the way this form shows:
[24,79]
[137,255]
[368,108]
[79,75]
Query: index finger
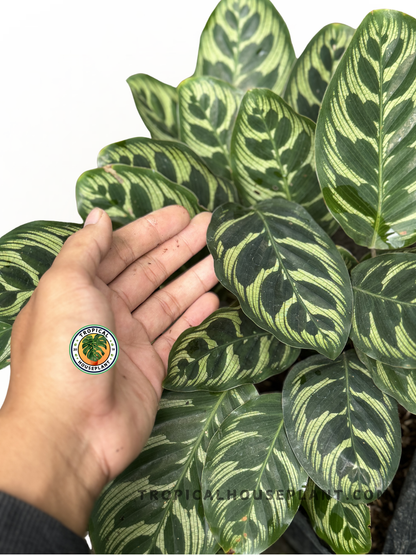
[137,238]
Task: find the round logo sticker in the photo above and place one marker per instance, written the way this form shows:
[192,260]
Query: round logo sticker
[94,349]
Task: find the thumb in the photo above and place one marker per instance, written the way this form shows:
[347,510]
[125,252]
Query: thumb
[86,248]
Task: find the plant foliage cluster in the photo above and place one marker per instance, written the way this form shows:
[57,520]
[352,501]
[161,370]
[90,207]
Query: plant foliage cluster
[283,151]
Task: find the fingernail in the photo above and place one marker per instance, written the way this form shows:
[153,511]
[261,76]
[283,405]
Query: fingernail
[93,216]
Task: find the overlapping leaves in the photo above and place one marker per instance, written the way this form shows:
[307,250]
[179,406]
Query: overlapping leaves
[157,104]
[286,272]
[314,69]
[384,319]
[365,157]
[127,193]
[225,351]
[344,431]
[247,43]
[175,161]
[273,155]
[155,505]
[207,111]
[344,527]
[254,477]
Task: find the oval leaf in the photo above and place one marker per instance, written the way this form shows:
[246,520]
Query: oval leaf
[251,479]
[399,383]
[155,505]
[225,351]
[273,155]
[344,527]
[365,134]
[207,111]
[247,44]
[5,337]
[314,69]
[344,431]
[285,271]
[384,318]
[157,105]
[127,193]
[175,161]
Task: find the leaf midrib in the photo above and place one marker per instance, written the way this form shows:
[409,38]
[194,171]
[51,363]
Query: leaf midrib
[378,296]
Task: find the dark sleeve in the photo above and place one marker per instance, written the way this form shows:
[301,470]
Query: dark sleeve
[26,529]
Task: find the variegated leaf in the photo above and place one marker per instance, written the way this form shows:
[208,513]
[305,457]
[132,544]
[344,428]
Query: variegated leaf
[127,193]
[5,336]
[251,478]
[247,43]
[177,162]
[155,505]
[344,431]
[399,383]
[157,105]
[365,157]
[26,253]
[344,527]
[207,111]
[285,271]
[314,69]
[273,155]
[384,317]
[225,351]
[349,259]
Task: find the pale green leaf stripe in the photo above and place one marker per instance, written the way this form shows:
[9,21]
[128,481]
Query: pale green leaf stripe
[345,528]
[175,161]
[25,254]
[250,457]
[5,337]
[142,511]
[157,104]
[349,259]
[384,317]
[285,271]
[273,155]
[314,69]
[365,134]
[247,43]
[225,351]
[344,431]
[207,111]
[399,383]
[127,193]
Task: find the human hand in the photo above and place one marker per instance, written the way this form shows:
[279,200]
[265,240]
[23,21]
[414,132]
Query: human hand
[64,434]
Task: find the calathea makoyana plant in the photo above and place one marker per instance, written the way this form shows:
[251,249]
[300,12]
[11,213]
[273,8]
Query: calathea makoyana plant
[283,151]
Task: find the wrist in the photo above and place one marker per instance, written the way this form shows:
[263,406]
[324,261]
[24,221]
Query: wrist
[47,466]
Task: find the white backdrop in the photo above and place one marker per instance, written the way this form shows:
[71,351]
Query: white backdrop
[63,93]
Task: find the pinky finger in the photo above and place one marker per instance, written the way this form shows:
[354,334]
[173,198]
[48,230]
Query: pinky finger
[196,313]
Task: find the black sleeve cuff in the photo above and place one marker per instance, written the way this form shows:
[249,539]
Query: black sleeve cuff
[26,529]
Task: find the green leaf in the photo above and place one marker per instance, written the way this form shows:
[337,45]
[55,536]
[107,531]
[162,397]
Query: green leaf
[349,259]
[365,134]
[285,271]
[207,111]
[344,527]
[225,351]
[399,383]
[314,69]
[142,511]
[384,317]
[157,105]
[127,193]
[344,431]
[273,155]
[5,336]
[247,44]
[175,161]
[250,457]
[26,253]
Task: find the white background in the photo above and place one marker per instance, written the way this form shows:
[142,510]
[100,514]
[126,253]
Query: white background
[63,90]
